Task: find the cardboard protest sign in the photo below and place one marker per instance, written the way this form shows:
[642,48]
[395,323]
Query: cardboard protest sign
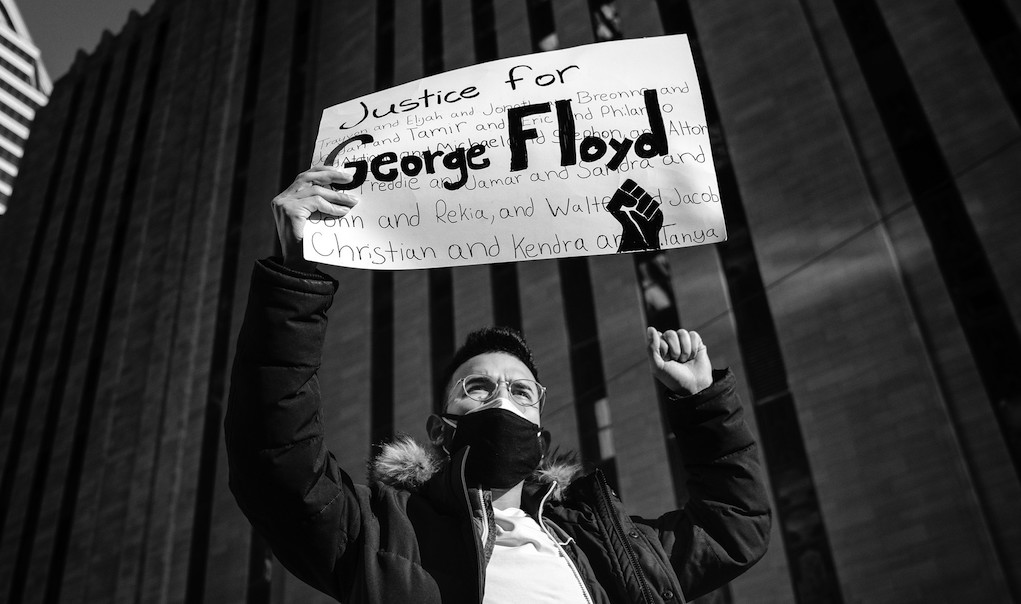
[598,149]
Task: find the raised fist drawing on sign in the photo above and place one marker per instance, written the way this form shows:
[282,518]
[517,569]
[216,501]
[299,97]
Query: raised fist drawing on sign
[639,215]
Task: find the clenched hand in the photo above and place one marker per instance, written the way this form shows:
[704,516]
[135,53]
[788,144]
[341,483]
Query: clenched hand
[310,193]
[680,360]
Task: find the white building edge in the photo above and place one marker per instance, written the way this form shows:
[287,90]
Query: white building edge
[24,88]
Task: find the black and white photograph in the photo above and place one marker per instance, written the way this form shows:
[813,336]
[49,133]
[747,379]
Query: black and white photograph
[510,301]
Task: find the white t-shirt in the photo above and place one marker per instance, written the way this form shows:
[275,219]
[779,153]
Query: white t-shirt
[528,566]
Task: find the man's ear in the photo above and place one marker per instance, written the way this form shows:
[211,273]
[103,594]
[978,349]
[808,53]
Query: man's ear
[546,439]
[436,428]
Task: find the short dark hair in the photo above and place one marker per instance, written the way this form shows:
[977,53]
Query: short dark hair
[492,339]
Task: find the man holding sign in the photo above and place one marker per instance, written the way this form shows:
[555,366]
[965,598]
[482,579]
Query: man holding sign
[485,514]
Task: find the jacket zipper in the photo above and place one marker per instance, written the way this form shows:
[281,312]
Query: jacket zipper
[475,536]
[560,548]
[619,529]
[484,537]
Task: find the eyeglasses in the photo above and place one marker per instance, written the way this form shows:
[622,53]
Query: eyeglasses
[524,392]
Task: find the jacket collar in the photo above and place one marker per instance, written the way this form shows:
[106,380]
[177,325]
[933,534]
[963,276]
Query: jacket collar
[405,464]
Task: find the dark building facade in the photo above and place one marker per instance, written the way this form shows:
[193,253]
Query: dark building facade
[868,298]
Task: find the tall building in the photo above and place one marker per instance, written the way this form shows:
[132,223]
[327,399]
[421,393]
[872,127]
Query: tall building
[24,87]
[868,298]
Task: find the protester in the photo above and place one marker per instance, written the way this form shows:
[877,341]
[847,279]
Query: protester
[484,513]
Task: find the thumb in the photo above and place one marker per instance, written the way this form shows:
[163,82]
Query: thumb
[700,352]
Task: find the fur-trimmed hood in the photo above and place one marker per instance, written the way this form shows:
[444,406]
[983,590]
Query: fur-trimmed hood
[406,464]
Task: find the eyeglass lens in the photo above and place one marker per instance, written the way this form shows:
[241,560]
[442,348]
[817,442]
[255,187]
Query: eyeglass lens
[482,387]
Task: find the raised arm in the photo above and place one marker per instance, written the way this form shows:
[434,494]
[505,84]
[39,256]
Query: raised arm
[724,527]
[284,479]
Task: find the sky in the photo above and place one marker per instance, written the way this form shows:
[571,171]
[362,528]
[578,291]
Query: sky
[60,27]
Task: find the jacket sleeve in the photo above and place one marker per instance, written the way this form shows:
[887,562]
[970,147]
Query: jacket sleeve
[724,527]
[284,479]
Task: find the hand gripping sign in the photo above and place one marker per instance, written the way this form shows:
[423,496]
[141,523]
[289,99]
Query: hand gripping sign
[599,149]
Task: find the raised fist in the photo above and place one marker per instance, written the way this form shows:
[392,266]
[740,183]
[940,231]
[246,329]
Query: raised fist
[679,359]
[639,214]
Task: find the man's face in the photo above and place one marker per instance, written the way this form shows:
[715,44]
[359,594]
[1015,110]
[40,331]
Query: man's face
[500,366]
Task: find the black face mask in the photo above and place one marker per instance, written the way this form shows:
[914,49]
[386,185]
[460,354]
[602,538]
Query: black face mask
[505,447]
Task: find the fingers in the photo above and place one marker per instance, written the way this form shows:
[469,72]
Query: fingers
[647,204]
[673,340]
[697,347]
[324,206]
[678,345]
[657,347]
[617,201]
[326,175]
[651,211]
[336,197]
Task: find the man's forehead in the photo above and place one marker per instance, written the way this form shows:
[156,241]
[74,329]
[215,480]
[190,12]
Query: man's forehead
[494,363]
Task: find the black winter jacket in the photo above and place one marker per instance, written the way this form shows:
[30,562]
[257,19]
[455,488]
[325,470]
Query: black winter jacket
[417,533]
